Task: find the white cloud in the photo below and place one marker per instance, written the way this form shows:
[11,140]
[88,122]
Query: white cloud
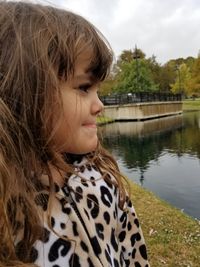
[167,29]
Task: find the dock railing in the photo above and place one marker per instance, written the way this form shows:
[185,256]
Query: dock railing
[122,99]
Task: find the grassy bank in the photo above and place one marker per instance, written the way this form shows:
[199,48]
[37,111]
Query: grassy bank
[191,105]
[173,238]
[103,120]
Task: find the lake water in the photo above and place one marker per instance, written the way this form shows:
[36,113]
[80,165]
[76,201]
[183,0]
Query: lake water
[162,155]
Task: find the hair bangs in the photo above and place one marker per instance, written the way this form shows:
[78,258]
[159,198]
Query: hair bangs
[101,61]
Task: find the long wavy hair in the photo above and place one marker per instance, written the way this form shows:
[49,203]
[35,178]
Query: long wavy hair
[39,46]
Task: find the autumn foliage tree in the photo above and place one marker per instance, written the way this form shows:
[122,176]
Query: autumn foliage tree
[194,85]
[183,79]
[133,72]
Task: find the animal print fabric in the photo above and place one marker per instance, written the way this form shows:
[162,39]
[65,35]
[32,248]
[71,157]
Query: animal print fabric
[100,234]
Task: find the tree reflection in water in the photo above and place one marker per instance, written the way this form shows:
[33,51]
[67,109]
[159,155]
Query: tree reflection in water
[161,154]
[141,142]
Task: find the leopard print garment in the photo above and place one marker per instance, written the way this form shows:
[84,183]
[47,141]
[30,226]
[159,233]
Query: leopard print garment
[95,231]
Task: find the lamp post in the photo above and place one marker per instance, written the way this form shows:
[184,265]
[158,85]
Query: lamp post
[136,56]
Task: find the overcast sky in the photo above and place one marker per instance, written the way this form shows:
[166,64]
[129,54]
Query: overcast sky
[168,29]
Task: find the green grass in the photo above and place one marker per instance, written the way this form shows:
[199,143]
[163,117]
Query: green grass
[190,104]
[103,120]
[172,237]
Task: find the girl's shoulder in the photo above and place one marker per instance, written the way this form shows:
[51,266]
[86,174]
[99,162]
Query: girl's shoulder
[88,175]
[86,183]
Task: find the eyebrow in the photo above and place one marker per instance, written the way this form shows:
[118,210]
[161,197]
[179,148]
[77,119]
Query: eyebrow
[81,76]
[85,76]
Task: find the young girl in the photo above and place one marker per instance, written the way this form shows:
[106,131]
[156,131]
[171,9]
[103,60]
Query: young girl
[62,199]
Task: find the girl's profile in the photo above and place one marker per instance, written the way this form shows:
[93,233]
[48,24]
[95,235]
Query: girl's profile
[62,197]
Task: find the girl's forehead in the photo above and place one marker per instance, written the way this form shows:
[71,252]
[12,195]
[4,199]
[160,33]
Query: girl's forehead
[85,55]
[84,62]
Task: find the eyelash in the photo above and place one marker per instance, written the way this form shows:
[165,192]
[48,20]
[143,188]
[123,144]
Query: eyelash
[85,87]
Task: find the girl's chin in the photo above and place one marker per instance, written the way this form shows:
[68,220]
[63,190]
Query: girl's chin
[84,149]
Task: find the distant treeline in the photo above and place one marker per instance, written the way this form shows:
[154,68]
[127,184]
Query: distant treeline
[134,72]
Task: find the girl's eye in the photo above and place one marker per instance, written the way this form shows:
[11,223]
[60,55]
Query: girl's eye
[84,87]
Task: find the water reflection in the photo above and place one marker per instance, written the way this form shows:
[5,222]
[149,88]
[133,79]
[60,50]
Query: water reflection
[142,128]
[141,142]
[144,149]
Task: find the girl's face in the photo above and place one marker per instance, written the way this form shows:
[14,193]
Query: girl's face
[77,132]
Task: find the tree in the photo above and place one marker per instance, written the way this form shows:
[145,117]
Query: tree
[107,86]
[135,77]
[194,84]
[167,77]
[155,69]
[133,72]
[128,55]
[189,61]
[182,81]
[138,53]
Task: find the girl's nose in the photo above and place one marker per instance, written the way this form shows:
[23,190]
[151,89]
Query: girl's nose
[97,106]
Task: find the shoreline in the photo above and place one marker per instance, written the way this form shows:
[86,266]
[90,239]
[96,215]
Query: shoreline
[172,237]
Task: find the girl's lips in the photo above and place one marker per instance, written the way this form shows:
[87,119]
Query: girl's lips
[90,124]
